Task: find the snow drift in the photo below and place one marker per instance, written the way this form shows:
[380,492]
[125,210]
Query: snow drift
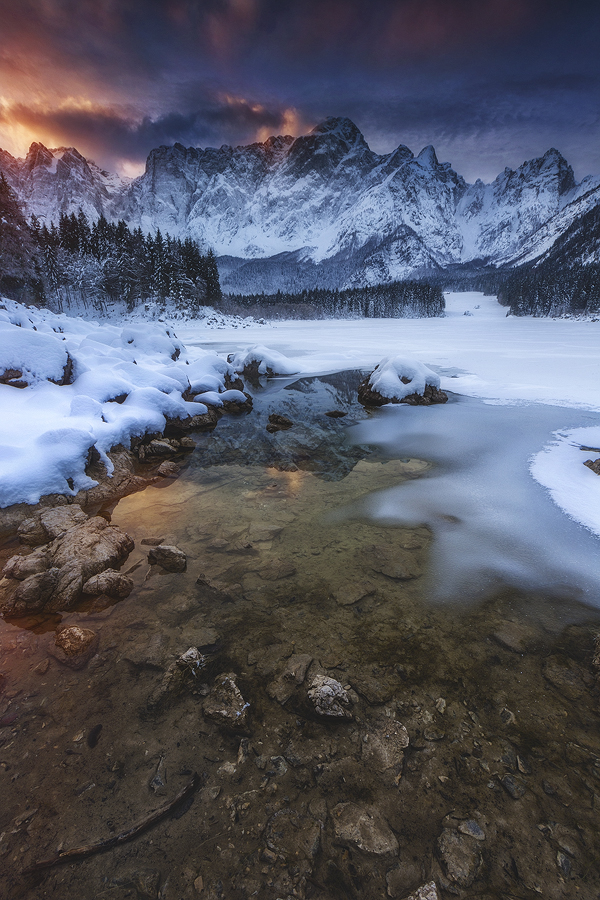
[124,383]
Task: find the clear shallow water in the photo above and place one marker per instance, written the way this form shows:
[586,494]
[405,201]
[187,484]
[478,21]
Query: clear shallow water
[311,542]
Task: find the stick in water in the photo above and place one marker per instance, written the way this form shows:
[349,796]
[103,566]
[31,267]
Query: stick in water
[90,849]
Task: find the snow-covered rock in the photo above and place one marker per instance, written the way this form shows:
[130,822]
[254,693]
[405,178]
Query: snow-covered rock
[400,380]
[122,384]
[259,360]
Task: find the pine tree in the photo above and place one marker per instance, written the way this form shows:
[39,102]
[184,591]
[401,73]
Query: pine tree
[18,253]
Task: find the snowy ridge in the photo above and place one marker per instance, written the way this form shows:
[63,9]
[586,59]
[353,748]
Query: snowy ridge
[320,209]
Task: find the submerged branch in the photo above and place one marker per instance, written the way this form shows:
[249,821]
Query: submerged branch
[123,837]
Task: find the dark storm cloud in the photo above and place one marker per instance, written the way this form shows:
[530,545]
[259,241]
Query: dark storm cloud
[117,77]
[114,134]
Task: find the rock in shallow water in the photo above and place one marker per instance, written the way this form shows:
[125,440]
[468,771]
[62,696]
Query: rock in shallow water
[21,567]
[329,697]
[225,704]
[460,856]
[292,676]
[384,745]
[74,646]
[278,423]
[427,891]
[169,557]
[363,827]
[109,582]
[33,593]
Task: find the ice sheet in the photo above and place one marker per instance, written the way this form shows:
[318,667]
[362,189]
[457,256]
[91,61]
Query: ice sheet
[493,524]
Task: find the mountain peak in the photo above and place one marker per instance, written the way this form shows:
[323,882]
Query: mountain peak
[554,155]
[38,155]
[427,157]
[345,128]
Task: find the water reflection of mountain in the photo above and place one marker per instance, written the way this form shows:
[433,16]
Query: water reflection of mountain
[316,443]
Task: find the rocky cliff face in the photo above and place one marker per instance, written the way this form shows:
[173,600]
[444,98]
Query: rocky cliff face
[322,208]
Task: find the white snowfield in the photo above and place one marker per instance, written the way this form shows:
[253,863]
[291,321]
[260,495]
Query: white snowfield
[47,427]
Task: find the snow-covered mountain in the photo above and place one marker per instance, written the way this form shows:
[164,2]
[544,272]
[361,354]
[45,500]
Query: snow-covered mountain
[51,182]
[320,209]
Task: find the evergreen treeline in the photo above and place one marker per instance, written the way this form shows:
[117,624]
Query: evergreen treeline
[76,262]
[20,265]
[399,299]
[551,290]
[566,282]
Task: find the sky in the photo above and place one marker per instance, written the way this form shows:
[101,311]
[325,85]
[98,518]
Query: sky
[490,83]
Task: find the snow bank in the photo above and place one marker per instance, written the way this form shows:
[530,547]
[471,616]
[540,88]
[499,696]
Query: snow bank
[573,486]
[26,356]
[397,377]
[125,382]
[264,361]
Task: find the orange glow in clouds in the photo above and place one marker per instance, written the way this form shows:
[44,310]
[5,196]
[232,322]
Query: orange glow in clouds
[292,123]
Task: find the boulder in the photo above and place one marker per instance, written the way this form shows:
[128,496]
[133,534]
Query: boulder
[460,856]
[225,704]
[180,673]
[54,575]
[83,552]
[258,361]
[32,594]
[278,423]
[168,469]
[50,524]
[384,744]
[203,422]
[292,676]
[329,697]
[60,519]
[21,567]
[427,891]
[157,448]
[109,582]
[291,836]
[236,405]
[169,557]
[401,380]
[74,646]
[364,828]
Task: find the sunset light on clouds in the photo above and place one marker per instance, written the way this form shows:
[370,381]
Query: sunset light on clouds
[489,83]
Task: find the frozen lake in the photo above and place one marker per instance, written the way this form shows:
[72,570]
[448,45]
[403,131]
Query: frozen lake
[539,381]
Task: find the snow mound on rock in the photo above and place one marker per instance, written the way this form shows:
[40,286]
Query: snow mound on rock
[263,361]
[398,377]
